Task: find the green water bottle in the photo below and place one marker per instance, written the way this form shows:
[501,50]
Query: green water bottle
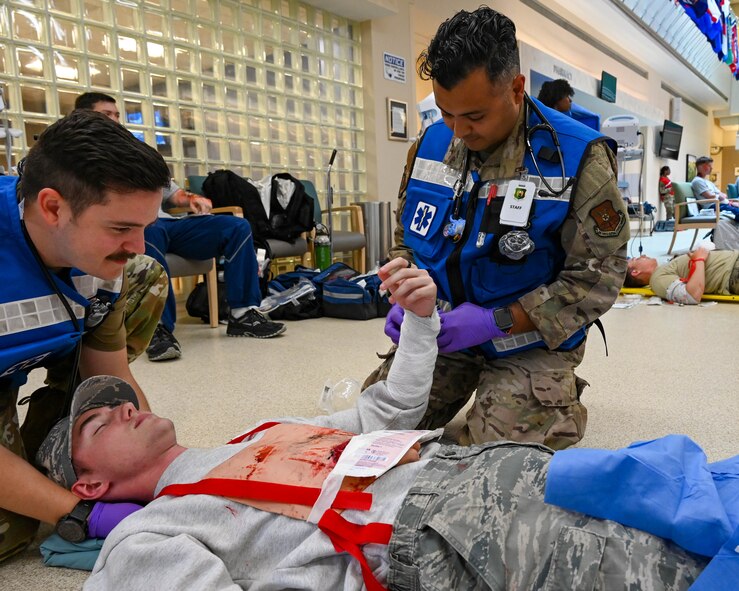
[322,248]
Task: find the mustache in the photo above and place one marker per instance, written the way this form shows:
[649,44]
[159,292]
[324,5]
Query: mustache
[121,256]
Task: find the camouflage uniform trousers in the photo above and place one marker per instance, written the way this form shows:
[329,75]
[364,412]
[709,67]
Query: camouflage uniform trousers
[147,292]
[669,206]
[533,396]
[475,519]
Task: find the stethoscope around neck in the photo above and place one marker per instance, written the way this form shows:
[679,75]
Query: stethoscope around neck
[546,127]
[456,224]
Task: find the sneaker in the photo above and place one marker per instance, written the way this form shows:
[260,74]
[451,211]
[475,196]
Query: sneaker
[163,345]
[254,324]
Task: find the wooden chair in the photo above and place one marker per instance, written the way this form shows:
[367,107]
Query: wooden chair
[684,220]
[181,267]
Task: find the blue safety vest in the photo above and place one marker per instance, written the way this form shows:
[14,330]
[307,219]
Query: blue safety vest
[466,272]
[35,327]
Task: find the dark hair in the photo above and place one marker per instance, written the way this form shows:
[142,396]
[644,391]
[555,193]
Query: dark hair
[88,100]
[468,41]
[634,281]
[553,91]
[664,170]
[86,154]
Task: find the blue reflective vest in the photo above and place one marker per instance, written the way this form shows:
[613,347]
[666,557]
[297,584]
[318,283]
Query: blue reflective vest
[35,327]
[466,272]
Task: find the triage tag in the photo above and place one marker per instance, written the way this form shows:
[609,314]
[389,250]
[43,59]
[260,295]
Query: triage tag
[367,455]
[517,203]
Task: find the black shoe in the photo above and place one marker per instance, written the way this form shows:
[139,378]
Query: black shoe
[254,324]
[163,345]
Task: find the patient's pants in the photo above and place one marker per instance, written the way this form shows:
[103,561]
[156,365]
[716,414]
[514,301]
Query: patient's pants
[475,519]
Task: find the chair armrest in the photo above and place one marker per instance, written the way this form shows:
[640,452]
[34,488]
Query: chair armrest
[686,203]
[356,217]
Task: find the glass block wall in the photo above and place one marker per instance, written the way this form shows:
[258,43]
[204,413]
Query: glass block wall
[257,86]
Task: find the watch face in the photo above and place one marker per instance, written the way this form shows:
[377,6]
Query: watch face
[70,530]
[503,318]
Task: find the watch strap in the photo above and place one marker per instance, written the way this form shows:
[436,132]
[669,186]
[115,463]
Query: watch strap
[73,526]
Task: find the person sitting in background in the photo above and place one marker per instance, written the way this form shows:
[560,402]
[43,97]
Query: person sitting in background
[705,189]
[199,237]
[686,278]
[557,94]
[462,518]
[666,192]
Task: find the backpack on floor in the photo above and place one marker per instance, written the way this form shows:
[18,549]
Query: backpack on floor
[197,302]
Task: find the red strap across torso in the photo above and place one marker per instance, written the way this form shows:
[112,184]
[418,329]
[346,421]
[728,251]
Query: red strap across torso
[345,536]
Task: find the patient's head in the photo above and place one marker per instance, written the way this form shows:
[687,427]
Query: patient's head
[107,448]
[640,271]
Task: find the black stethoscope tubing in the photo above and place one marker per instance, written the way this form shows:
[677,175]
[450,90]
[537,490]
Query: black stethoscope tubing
[543,125]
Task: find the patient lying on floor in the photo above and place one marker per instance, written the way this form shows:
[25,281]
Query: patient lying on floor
[396,510]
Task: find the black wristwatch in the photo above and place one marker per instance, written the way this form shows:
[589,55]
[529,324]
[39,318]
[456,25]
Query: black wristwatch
[73,526]
[503,319]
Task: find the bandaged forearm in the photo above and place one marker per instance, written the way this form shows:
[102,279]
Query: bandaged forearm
[410,377]
[678,292]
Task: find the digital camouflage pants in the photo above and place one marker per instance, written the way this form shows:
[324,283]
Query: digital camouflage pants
[147,292]
[533,396]
[475,519]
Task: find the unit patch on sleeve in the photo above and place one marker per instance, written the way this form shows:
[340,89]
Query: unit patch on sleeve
[423,218]
[608,221]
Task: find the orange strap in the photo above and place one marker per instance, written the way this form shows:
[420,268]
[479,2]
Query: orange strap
[344,535]
[267,491]
[691,269]
[347,537]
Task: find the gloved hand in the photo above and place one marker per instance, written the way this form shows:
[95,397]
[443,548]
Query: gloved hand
[393,321]
[466,326]
[105,516]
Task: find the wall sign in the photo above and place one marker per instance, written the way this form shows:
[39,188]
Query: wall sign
[394,67]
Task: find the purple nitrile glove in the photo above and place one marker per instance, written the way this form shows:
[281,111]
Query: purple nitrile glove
[466,326]
[393,321]
[105,516]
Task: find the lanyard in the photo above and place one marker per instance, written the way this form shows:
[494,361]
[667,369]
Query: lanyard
[460,185]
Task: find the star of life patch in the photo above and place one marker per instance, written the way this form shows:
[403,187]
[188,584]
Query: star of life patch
[423,218]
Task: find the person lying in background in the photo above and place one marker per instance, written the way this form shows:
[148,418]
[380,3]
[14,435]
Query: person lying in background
[442,517]
[686,278]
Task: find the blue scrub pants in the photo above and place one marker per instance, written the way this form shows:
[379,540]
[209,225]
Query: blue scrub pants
[205,237]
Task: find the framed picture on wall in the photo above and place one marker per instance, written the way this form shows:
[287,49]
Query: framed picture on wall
[397,120]
[690,168]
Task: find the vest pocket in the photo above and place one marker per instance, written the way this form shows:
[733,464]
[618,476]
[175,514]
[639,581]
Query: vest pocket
[492,280]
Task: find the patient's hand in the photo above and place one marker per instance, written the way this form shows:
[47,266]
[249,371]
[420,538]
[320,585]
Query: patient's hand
[410,287]
[412,455]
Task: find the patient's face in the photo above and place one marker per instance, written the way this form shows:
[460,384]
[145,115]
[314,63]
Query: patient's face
[115,443]
[642,265]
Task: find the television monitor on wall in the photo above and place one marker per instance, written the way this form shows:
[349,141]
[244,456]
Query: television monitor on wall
[669,140]
[608,87]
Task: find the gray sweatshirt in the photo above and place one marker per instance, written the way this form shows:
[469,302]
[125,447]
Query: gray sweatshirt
[211,543]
